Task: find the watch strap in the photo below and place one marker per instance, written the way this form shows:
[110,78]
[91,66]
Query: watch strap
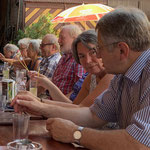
[80,128]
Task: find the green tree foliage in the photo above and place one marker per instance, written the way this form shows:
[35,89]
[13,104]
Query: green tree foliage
[37,30]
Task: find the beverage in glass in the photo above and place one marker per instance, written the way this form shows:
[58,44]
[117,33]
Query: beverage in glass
[33,87]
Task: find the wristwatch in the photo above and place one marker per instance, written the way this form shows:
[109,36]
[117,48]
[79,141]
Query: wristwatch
[77,135]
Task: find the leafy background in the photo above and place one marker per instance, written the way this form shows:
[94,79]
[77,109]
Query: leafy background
[37,30]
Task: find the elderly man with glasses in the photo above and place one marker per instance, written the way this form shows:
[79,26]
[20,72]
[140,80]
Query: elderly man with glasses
[50,53]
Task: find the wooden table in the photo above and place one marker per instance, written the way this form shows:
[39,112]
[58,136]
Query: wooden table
[37,133]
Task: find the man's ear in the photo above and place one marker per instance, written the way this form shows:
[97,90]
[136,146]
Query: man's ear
[124,50]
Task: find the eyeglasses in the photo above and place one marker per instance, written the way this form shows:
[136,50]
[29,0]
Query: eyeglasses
[100,48]
[43,45]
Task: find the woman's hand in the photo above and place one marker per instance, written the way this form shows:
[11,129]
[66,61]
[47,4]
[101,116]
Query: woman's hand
[42,80]
[2,57]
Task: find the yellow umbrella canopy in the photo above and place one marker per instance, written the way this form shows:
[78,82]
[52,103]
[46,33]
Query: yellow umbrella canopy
[85,12]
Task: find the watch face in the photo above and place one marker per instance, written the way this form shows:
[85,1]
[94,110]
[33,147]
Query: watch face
[77,135]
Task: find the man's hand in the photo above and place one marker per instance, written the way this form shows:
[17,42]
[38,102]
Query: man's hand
[25,101]
[61,130]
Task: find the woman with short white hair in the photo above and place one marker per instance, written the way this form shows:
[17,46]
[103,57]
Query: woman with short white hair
[11,53]
[23,46]
[34,53]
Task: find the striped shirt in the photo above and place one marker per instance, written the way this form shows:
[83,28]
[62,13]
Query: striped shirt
[67,73]
[127,100]
[49,64]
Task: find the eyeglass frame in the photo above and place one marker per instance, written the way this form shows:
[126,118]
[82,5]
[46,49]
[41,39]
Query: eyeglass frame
[98,47]
[43,45]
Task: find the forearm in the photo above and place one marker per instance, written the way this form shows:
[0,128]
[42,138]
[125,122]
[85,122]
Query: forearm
[8,60]
[62,104]
[56,93]
[81,116]
[109,140]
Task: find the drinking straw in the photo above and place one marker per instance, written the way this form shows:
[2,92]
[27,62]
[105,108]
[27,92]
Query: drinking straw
[23,64]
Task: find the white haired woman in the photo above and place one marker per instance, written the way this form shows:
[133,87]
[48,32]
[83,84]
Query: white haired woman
[23,46]
[33,54]
[11,52]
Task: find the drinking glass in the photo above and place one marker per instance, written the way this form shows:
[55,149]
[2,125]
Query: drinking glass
[25,72]
[21,86]
[19,76]
[1,71]
[33,87]
[21,80]
[3,102]
[20,126]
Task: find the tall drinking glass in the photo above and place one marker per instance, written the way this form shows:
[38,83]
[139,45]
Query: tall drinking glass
[21,80]
[33,87]
[20,126]
[19,75]
[3,102]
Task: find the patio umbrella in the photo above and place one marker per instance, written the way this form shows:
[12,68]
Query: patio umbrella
[85,12]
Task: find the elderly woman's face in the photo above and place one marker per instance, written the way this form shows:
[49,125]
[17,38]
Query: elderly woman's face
[88,58]
[30,51]
[7,54]
[23,50]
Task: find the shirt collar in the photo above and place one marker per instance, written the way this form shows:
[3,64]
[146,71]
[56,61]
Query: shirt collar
[136,69]
[67,56]
[52,56]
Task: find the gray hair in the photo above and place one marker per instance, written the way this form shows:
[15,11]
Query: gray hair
[24,41]
[36,45]
[85,38]
[128,25]
[74,30]
[53,39]
[11,47]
